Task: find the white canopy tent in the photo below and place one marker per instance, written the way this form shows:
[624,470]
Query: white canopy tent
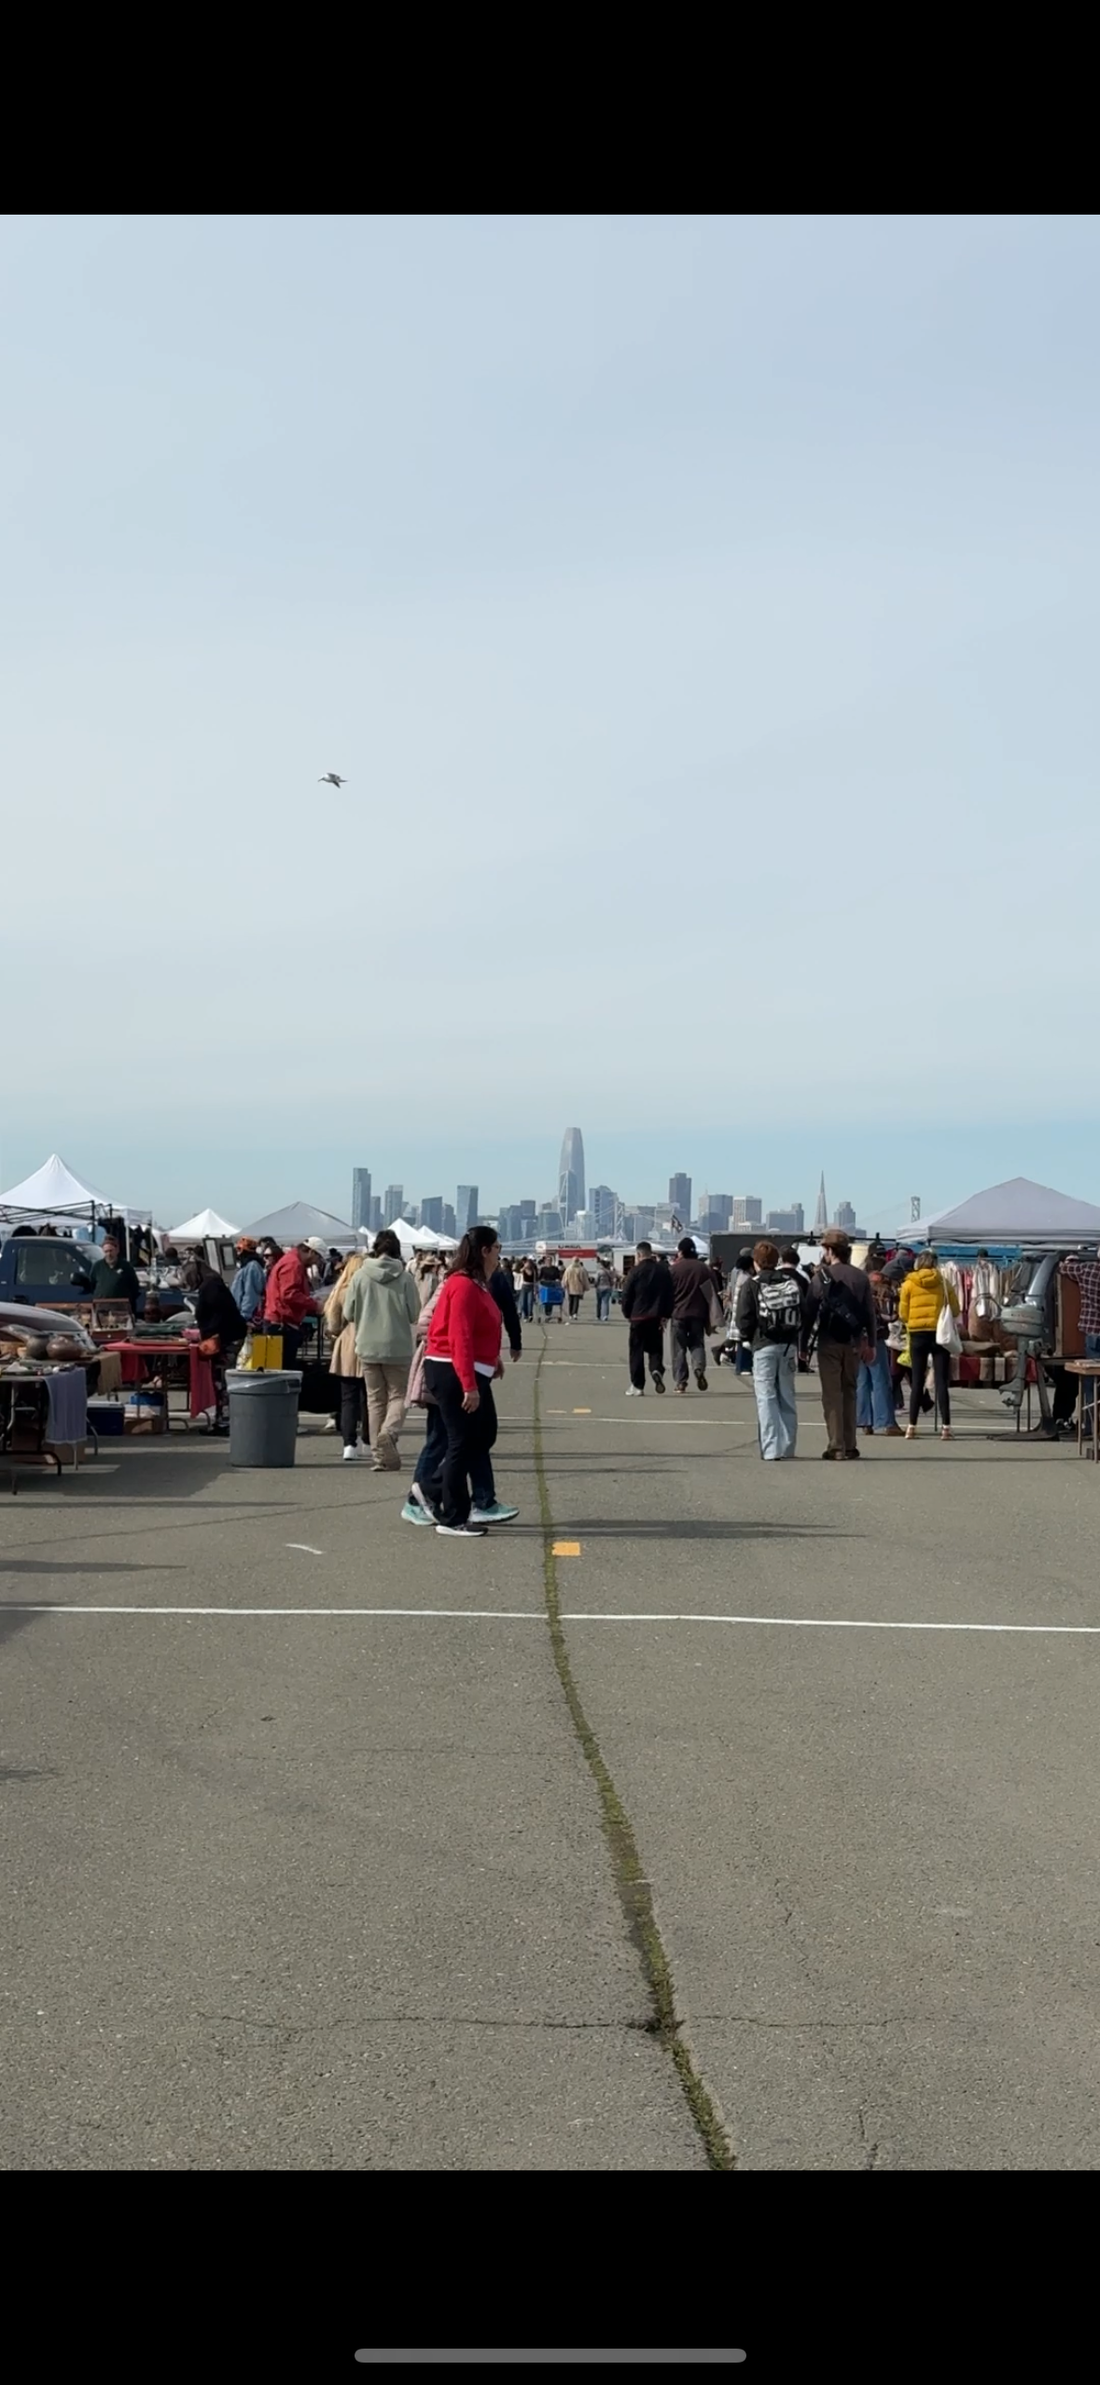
[1017,1211]
[54,1192]
[205,1226]
[420,1237]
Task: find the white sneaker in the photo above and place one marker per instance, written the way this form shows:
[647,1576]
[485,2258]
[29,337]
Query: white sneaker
[332,1426]
[462,1531]
[351,1451]
[634,1393]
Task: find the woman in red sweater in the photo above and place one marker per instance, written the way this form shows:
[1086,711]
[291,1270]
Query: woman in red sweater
[461,1363]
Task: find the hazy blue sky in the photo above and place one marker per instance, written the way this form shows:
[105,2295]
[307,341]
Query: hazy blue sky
[704,613]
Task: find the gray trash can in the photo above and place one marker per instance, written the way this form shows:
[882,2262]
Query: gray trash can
[263,1416]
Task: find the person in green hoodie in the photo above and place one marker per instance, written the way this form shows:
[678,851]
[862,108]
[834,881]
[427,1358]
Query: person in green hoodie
[383,1303]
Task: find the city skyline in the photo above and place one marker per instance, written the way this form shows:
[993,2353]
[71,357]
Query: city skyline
[249,1173]
[611,1215]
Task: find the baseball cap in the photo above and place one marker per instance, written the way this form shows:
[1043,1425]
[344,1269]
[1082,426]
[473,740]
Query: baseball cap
[314,1242]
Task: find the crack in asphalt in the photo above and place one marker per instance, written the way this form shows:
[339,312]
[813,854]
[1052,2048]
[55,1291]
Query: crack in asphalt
[635,1894]
[871,2149]
[412,2020]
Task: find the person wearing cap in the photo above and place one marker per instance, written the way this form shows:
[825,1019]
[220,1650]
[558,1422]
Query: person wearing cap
[250,1279]
[288,1297]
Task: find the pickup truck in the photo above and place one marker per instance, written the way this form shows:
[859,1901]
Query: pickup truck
[40,1270]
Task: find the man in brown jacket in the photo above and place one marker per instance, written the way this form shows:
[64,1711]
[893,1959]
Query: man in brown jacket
[842,1309]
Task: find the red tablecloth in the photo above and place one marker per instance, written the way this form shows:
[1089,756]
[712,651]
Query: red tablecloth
[134,1359]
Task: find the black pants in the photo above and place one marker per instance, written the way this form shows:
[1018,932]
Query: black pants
[352,1404]
[292,1340]
[219,1368]
[688,1342]
[647,1340]
[575,1299]
[469,1440]
[924,1346]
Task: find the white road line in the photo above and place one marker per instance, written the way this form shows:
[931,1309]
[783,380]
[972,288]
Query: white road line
[462,1614]
[305,1546]
[536,1615]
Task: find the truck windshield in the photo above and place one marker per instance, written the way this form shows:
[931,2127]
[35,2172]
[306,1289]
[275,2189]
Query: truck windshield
[41,1263]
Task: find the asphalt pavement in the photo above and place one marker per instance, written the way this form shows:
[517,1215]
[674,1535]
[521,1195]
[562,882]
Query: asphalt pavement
[678,1825]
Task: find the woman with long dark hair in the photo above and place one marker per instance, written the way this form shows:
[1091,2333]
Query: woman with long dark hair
[461,1363]
[221,1327]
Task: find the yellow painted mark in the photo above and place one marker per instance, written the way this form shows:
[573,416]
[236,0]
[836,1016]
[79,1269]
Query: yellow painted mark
[566,1548]
[582,1411]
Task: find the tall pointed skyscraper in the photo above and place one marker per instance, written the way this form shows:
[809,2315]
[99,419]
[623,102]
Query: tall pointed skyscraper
[571,1174]
[821,1213]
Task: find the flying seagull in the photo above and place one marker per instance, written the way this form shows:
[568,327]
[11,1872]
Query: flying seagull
[332,779]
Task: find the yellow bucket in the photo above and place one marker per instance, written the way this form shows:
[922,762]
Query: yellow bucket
[267,1352]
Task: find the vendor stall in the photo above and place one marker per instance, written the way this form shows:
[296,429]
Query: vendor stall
[153,1365]
[44,1364]
[1003,1250]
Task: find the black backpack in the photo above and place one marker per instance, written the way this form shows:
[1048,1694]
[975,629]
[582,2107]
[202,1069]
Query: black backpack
[840,1317]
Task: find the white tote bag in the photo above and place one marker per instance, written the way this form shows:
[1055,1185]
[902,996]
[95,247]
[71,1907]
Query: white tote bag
[947,1332]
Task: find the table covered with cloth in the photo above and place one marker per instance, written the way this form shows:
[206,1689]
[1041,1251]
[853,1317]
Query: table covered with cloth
[135,1358]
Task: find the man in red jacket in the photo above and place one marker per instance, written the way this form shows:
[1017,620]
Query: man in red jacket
[288,1299]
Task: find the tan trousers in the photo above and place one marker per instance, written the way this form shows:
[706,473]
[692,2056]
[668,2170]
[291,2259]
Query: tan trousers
[387,1382]
[838,1373]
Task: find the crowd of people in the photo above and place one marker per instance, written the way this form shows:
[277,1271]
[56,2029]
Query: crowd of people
[872,1331]
[431,1334]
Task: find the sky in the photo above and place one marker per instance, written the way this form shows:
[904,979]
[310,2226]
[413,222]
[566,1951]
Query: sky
[703,613]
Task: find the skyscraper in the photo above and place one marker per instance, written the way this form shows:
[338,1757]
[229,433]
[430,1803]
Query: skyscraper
[788,1221]
[465,1208]
[845,1216]
[748,1209]
[360,1197]
[431,1212]
[821,1213]
[604,1204]
[679,1193]
[571,1174]
[448,1219]
[392,1203]
[715,1209]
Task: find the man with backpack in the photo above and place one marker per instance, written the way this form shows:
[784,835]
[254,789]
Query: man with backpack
[844,1317]
[773,1308]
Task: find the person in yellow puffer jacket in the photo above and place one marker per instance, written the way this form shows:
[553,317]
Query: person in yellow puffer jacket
[924,1296]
